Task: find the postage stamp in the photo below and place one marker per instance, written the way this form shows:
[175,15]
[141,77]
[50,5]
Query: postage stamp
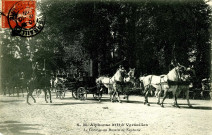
[22,17]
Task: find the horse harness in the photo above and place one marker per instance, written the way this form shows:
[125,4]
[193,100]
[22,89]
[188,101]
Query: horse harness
[167,82]
[161,83]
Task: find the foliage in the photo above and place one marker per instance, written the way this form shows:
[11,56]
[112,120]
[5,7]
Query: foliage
[146,35]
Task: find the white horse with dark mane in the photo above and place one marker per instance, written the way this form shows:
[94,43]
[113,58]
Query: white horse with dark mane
[170,82]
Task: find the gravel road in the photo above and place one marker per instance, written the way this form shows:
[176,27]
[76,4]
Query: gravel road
[74,117]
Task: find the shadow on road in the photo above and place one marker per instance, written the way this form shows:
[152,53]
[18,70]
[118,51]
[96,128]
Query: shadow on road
[11,101]
[16,128]
[185,106]
[197,107]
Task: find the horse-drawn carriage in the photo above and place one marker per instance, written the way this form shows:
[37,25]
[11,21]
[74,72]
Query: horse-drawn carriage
[121,83]
[79,87]
[83,85]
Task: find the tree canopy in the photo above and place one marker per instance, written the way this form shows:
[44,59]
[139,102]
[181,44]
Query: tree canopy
[145,35]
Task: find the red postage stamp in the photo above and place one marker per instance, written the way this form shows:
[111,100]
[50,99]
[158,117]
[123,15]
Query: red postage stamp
[18,12]
[22,17]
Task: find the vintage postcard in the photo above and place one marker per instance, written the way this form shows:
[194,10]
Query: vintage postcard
[105,67]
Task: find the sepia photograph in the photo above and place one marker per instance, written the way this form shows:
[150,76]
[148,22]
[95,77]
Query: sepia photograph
[105,67]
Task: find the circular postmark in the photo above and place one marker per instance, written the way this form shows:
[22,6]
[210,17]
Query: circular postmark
[26,19]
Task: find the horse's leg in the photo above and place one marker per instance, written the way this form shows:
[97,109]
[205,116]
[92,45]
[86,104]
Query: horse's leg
[164,97]
[28,94]
[158,96]
[45,93]
[114,91]
[99,96]
[127,93]
[113,96]
[50,96]
[32,96]
[176,93]
[187,97]
[118,94]
[175,100]
[146,97]
[110,92]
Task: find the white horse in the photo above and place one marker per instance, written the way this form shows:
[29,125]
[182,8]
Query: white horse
[113,84]
[107,82]
[169,82]
[178,81]
[158,82]
[177,84]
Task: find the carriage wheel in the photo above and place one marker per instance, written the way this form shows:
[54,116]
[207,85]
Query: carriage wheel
[81,93]
[74,93]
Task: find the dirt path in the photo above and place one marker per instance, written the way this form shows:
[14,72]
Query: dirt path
[74,117]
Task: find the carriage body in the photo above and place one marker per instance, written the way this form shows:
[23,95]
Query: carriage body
[79,87]
[86,85]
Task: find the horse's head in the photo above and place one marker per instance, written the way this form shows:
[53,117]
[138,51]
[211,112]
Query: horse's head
[180,69]
[98,81]
[141,78]
[122,72]
[130,76]
[119,75]
[131,73]
[176,73]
